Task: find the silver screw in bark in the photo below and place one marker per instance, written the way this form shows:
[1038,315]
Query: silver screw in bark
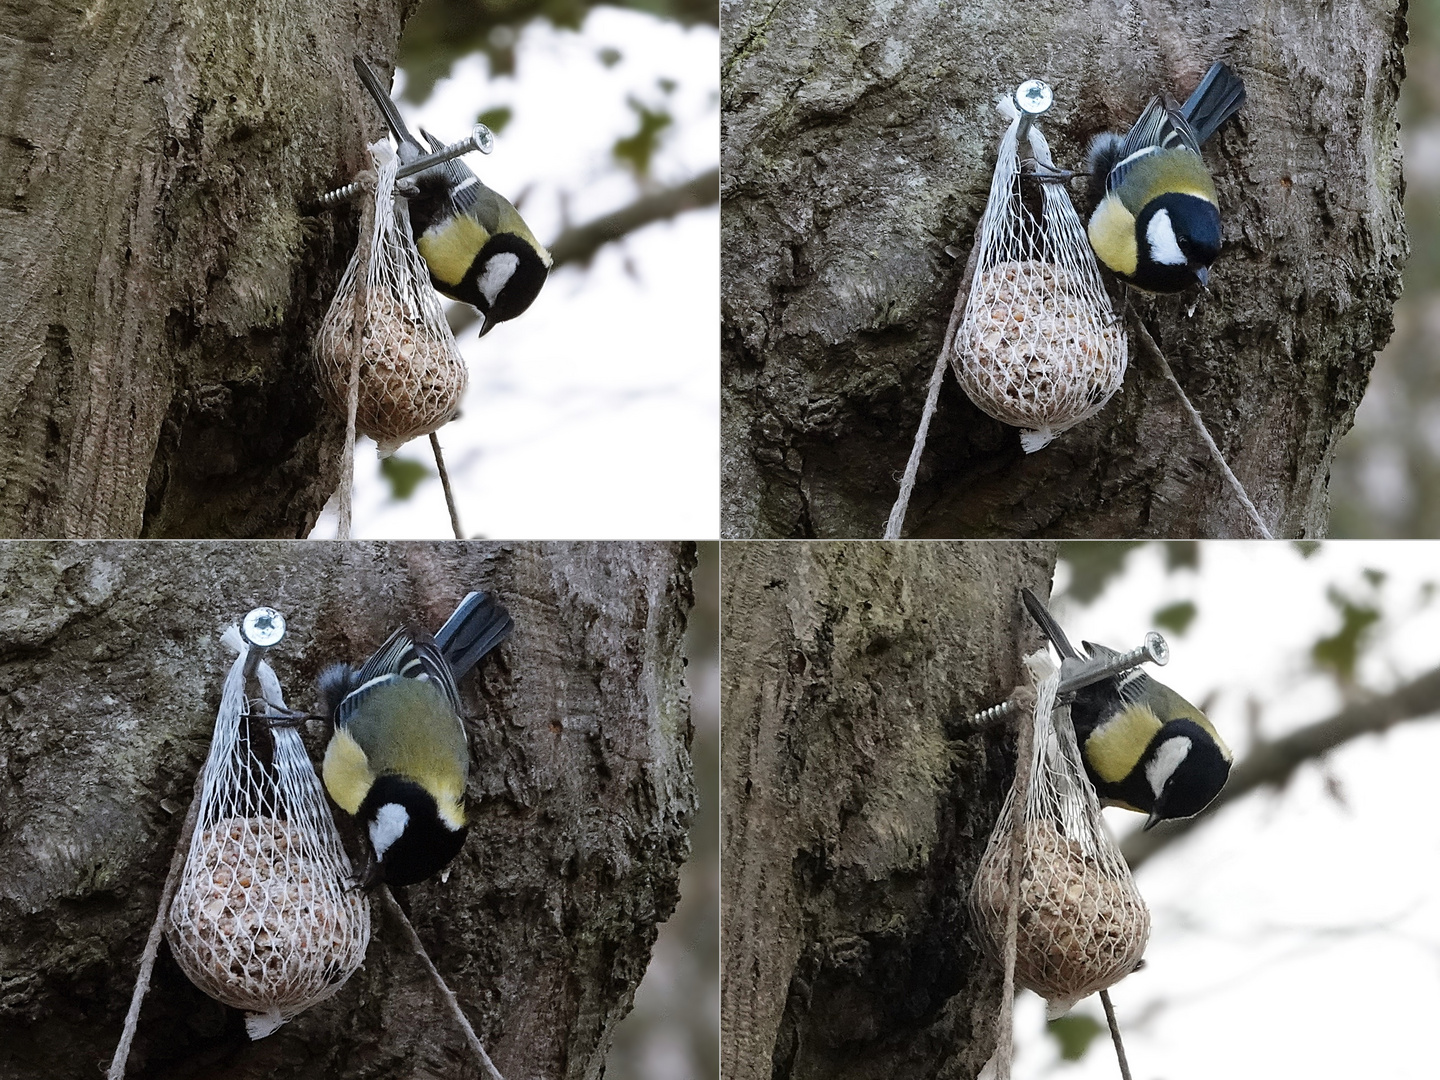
[1033,98]
[262,628]
[1155,650]
[988,716]
[481,138]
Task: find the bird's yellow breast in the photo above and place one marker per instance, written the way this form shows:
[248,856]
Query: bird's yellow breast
[347,772]
[1116,746]
[1112,235]
[450,247]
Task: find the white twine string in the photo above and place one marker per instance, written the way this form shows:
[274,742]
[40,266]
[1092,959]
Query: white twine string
[1047,677]
[1199,422]
[446,994]
[896,521]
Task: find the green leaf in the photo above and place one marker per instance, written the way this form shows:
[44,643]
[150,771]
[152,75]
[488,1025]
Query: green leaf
[1176,617]
[1306,548]
[1340,652]
[1182,555]
[404,475]
[1074,1034]
[1092,564]
[496,118]
[609,56]
[638,150]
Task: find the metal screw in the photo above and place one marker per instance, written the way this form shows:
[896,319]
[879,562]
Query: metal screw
[1034,98]
[1155,650]
[481,138]
[262,628]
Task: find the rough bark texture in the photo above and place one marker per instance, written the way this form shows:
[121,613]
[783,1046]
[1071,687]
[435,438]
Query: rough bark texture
[856,800]
[858,141]
[164,284]
[580,794]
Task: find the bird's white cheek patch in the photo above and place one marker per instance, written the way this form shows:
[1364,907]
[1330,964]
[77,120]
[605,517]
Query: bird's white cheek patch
[498,272]
[1167,759]
[1160,234]
[387,827]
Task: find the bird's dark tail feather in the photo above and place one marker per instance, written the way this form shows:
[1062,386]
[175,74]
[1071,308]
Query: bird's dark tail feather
[478,625]
[1049,626]
[1217,98]
[411,147]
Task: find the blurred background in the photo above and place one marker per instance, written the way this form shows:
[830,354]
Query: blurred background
[1296,930]
[1386,477]
[596,413]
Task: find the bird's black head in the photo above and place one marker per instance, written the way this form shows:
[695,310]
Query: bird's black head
[504,280]
[410,839]
[1186,768]
[1178,236]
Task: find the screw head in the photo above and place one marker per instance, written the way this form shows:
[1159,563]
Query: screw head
[263,627]
[483,138]
[1034,97]
[1157,648]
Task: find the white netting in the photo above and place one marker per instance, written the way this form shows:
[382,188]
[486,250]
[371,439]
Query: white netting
[1039,346]
[412,376]
[1083,925]
[262,918]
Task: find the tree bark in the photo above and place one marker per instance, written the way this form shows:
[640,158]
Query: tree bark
[857,798]
[580,794]
[165,281]
[858,142]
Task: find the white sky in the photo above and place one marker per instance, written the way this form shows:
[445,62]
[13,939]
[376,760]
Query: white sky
[596,413]
[1293,936]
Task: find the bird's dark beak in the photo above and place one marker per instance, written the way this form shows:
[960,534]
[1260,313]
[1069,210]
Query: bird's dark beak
[368,878]
[486,325]
[1153,820]
[1202,275]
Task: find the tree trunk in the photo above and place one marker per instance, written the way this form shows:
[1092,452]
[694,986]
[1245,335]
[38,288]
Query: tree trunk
[856,800]
[164,284]
[580,794]
[859,140]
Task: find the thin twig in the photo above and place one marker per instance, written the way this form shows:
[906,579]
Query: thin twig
[1199,423]
[912,467]
[157,929]
[445,483]
[388,899]
[1115,1034]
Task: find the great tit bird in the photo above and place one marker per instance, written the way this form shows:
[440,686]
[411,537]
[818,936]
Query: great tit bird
[1158,223]
[478,248]
[398,758]
[1145,747]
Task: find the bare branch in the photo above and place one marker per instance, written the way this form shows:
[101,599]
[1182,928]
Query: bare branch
[1271,764]
[581,242]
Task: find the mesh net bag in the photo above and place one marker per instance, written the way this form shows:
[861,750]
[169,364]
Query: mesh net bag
[1039,346]
[262,918]
[412,376]
[1082,925]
